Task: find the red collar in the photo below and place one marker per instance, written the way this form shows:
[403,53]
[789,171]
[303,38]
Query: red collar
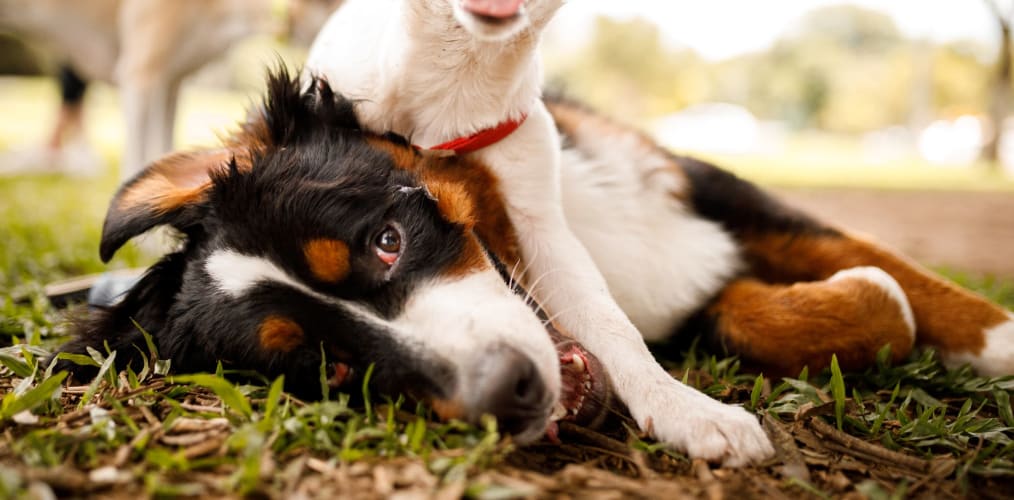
[481,139]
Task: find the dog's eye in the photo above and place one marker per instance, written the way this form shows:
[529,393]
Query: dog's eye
[387,245]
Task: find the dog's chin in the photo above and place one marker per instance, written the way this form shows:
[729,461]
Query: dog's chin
[491,29]
[532,433]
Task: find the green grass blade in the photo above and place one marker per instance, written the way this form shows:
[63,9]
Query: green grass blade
[78,359]
[222,388]
[875,429]
[46,390]
[366,394]
[755,394]
[20,368]
[325,388]
[271,405]
[837,391]
[1003,406]
[94,386]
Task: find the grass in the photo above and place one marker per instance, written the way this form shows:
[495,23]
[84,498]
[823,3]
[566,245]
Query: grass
[910,430]
[813,160]
[929,429]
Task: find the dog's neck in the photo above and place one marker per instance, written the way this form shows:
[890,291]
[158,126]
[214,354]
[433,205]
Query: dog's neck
[426,77]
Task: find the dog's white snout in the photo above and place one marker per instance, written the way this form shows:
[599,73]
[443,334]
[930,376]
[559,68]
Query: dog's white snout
[506,384]
[500,350]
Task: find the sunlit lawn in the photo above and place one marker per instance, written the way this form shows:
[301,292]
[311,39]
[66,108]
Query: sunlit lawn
[29,105]
[814,160]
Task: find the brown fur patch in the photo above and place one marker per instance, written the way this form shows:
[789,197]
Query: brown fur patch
[947,317]
[278,333]
[404,157]
[174,181]
[486,202]
[784,328]
[454,202]
[472,258]
[328,259]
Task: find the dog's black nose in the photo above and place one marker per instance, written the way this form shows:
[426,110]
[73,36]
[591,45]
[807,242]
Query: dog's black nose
[513,391]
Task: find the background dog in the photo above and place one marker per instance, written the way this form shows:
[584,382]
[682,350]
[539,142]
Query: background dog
[148,47]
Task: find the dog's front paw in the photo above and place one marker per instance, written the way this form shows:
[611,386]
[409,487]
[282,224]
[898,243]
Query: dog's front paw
[702,427]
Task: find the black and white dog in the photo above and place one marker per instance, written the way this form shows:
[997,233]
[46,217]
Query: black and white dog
[307,233]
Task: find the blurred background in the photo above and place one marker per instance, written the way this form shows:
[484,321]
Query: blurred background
[887,117]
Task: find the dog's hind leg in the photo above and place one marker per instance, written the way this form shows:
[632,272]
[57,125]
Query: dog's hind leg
[780,329]
[963,326]
[781,245]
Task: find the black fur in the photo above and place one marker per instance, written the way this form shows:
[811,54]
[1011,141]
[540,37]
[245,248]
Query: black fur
[741,207]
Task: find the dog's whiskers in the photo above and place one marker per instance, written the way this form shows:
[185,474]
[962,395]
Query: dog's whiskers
[535,284]
[550,319]
[524,271]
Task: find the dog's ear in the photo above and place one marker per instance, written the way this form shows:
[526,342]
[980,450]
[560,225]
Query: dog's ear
[170,191]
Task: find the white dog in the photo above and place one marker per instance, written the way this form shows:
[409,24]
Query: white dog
[464,76]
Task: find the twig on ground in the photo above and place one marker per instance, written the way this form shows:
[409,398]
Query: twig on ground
[862,449]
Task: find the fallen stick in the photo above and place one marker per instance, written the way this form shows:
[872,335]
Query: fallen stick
[869,450]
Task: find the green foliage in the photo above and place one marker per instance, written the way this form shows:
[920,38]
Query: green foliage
[229,393]
[837,390]
[629,59]
[843,68]
[16,402]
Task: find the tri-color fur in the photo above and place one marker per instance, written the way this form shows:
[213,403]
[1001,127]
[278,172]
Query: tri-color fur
[283,259]
[783,290]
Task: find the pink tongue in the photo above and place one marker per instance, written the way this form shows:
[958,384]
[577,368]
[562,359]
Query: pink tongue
[493,8]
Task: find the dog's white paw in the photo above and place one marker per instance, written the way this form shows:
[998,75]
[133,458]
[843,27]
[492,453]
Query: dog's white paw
[995,358]
[702,427]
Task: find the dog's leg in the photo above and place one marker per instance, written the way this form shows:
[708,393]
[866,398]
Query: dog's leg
[69,122]
[163,117]
[963,326]
[156,54]
[782,245]
[135,113]
[567,282]
[779,329]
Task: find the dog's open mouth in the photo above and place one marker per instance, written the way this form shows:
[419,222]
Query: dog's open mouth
[585,392]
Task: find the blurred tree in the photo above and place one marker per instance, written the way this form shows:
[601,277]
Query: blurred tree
[1000,95]
[960,79]
[627,71]
[841,68]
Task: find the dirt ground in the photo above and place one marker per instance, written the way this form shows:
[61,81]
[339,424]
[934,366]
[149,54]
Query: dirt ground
[964,231]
